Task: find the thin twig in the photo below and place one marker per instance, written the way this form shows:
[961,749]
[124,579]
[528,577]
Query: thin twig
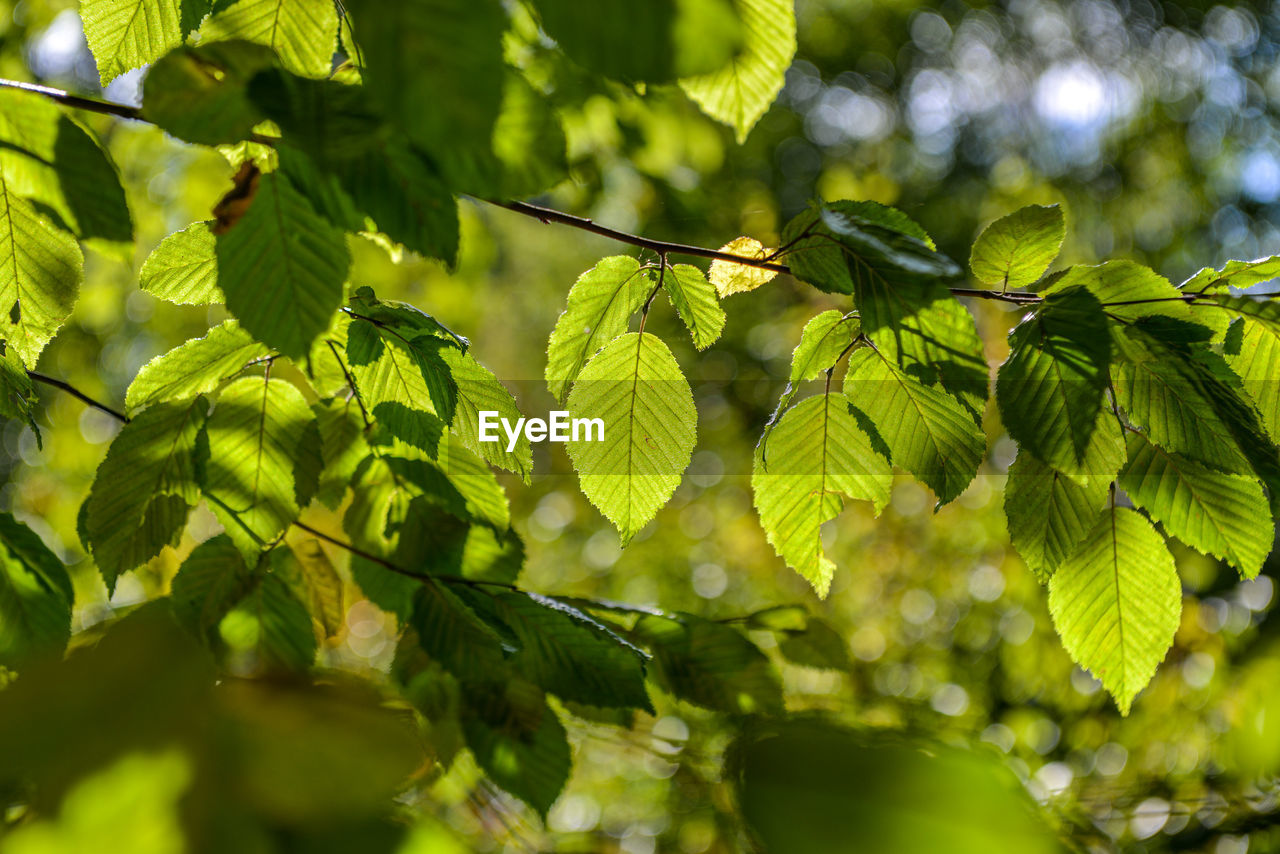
[78,394]
[93,105]
[431,578]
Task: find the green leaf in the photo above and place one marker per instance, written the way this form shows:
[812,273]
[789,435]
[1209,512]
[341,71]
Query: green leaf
[1015,250]
[528,141]
[739,93]
[488,556]
[144,488]
[282,268]
[1127,290]
[52,161]
[285,640]
[184,268]
[817,645]
[257,457]
[198,366]
[124,36]
[479,390]
[564,651]
[416,51]
[17,392]
[811,787]
[1049,513]
[670,39]
[482,496]
[1234,274]
[306,568]
[406,198]
[405,384]
[1161,390]
[302,33]
[601,303]
[40,274]
[517,739]
[342,447]
[818,453]
[710,665]
[199,94]
[450,633]
[636,388]
[927,431]
[824,339]
[1255,357]
[890,265]
[1050,389]
[207,587]
[35,595]
[696,302]
[1117,602]
[839,246]
[402,317]
[1224,515]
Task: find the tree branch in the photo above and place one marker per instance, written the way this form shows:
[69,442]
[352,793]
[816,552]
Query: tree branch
[78,394]
[93,105]
[538,212]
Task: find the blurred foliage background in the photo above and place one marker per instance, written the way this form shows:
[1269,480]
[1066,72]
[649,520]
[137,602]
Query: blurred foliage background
[1155,124]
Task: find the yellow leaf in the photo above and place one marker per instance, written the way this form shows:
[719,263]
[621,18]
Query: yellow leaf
[730,278]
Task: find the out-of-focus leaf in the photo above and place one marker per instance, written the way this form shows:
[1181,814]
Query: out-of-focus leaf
[710,665]
[517,739]
[35,595]
[200,94]
[740,92]
[814,788]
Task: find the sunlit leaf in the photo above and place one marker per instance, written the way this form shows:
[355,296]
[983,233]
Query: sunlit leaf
[1116,603]
[637,390]
[600,304]
[1221,514]
[1015,250]
[740,93]
[730,278]
[818,455]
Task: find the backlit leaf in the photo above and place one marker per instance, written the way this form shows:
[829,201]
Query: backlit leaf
[1015,250]
[1117,602]
[818,455]
[635,387]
